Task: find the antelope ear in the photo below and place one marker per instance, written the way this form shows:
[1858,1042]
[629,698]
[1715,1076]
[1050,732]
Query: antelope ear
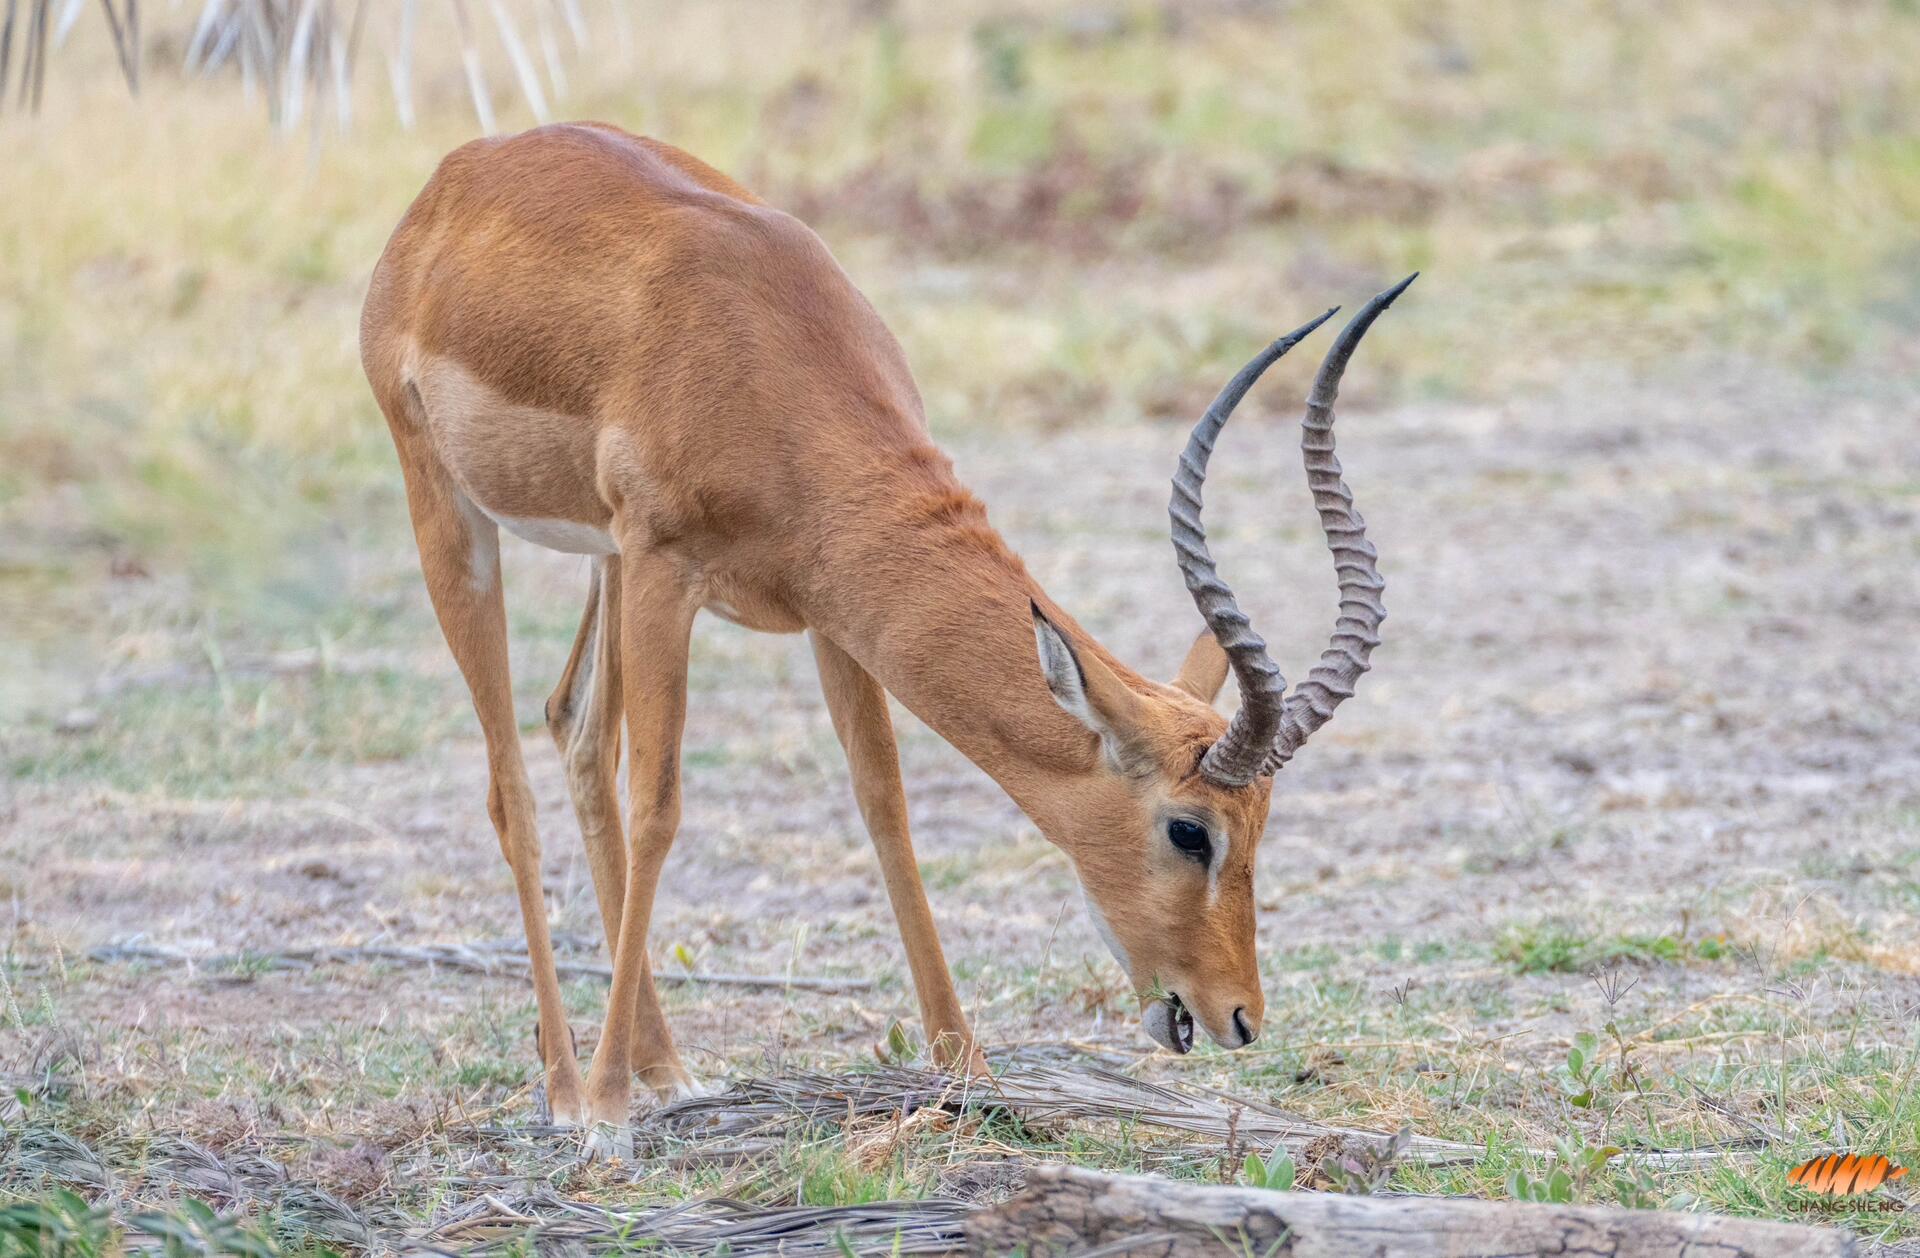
[1088,689]
[1204,670]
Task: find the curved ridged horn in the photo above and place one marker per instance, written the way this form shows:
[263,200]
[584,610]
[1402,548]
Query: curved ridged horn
[1357,629]
[1235,759]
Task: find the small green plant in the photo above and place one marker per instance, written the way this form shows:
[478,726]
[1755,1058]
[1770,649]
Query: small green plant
[1636,1189]
[193,1228]
[59,1223]
[1576,1167]
[1002,51]
[1583,1076]
[1582,1070]
[900,1048]
[1713,948]
[1275,1172]
[1544,948]
[1556,1188]
[248,965]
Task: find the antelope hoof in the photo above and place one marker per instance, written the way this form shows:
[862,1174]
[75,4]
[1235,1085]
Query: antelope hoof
[972,1066]
[957,1054]
[606,1141]
[1170,1024]
[568,1116]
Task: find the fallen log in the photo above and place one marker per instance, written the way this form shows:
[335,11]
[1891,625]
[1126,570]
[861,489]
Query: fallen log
[1065,1210]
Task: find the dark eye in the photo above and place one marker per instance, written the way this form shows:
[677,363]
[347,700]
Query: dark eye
[1191,838]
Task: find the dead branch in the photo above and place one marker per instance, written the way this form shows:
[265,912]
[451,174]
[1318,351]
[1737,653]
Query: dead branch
[480,958]
[1067,1210]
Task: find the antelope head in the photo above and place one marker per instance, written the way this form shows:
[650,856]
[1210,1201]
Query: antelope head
[1164,833]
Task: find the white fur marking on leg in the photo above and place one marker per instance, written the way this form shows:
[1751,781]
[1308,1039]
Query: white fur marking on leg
[483,562]
[588,698]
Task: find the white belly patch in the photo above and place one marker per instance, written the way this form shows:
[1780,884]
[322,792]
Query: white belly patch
[569,536]
[516,454]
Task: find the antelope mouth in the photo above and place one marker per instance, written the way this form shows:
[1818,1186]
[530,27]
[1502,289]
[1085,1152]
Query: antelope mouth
[1170,1024]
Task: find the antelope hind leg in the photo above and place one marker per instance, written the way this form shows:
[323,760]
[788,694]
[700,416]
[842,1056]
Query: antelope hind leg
[459,555]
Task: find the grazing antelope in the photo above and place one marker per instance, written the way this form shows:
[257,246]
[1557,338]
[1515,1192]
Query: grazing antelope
[605,346]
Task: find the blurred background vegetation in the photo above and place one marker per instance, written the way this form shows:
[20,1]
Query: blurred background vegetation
[1071,215]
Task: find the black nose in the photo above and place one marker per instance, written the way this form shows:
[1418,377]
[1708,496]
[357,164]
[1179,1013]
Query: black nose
[1247,1034]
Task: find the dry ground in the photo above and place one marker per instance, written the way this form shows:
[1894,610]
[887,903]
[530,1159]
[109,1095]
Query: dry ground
[1646,709]
[1639,761]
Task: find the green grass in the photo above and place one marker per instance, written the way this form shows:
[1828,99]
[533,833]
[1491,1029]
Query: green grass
[238,735]
[1559,948]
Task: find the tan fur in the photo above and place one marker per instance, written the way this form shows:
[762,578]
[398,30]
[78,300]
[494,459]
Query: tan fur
[579,325]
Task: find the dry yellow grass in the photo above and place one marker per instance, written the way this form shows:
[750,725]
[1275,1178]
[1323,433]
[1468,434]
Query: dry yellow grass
[1067,218]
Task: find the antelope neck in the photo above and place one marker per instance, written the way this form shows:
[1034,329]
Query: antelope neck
[937,607]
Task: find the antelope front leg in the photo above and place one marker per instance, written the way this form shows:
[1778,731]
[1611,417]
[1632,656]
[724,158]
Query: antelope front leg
[858,705]
[656,619]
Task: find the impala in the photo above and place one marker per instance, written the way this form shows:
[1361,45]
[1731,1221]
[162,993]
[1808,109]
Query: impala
[607,347]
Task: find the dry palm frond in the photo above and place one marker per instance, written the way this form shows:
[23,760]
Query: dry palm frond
[319,1214]
[297,52]
[38,1154]
[194,1168]
[1039,1092]
[126,39]
[931,1226]
[32,26]
[508,1215]
[292,49]
[470,59]
[400,63]
[522,63]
